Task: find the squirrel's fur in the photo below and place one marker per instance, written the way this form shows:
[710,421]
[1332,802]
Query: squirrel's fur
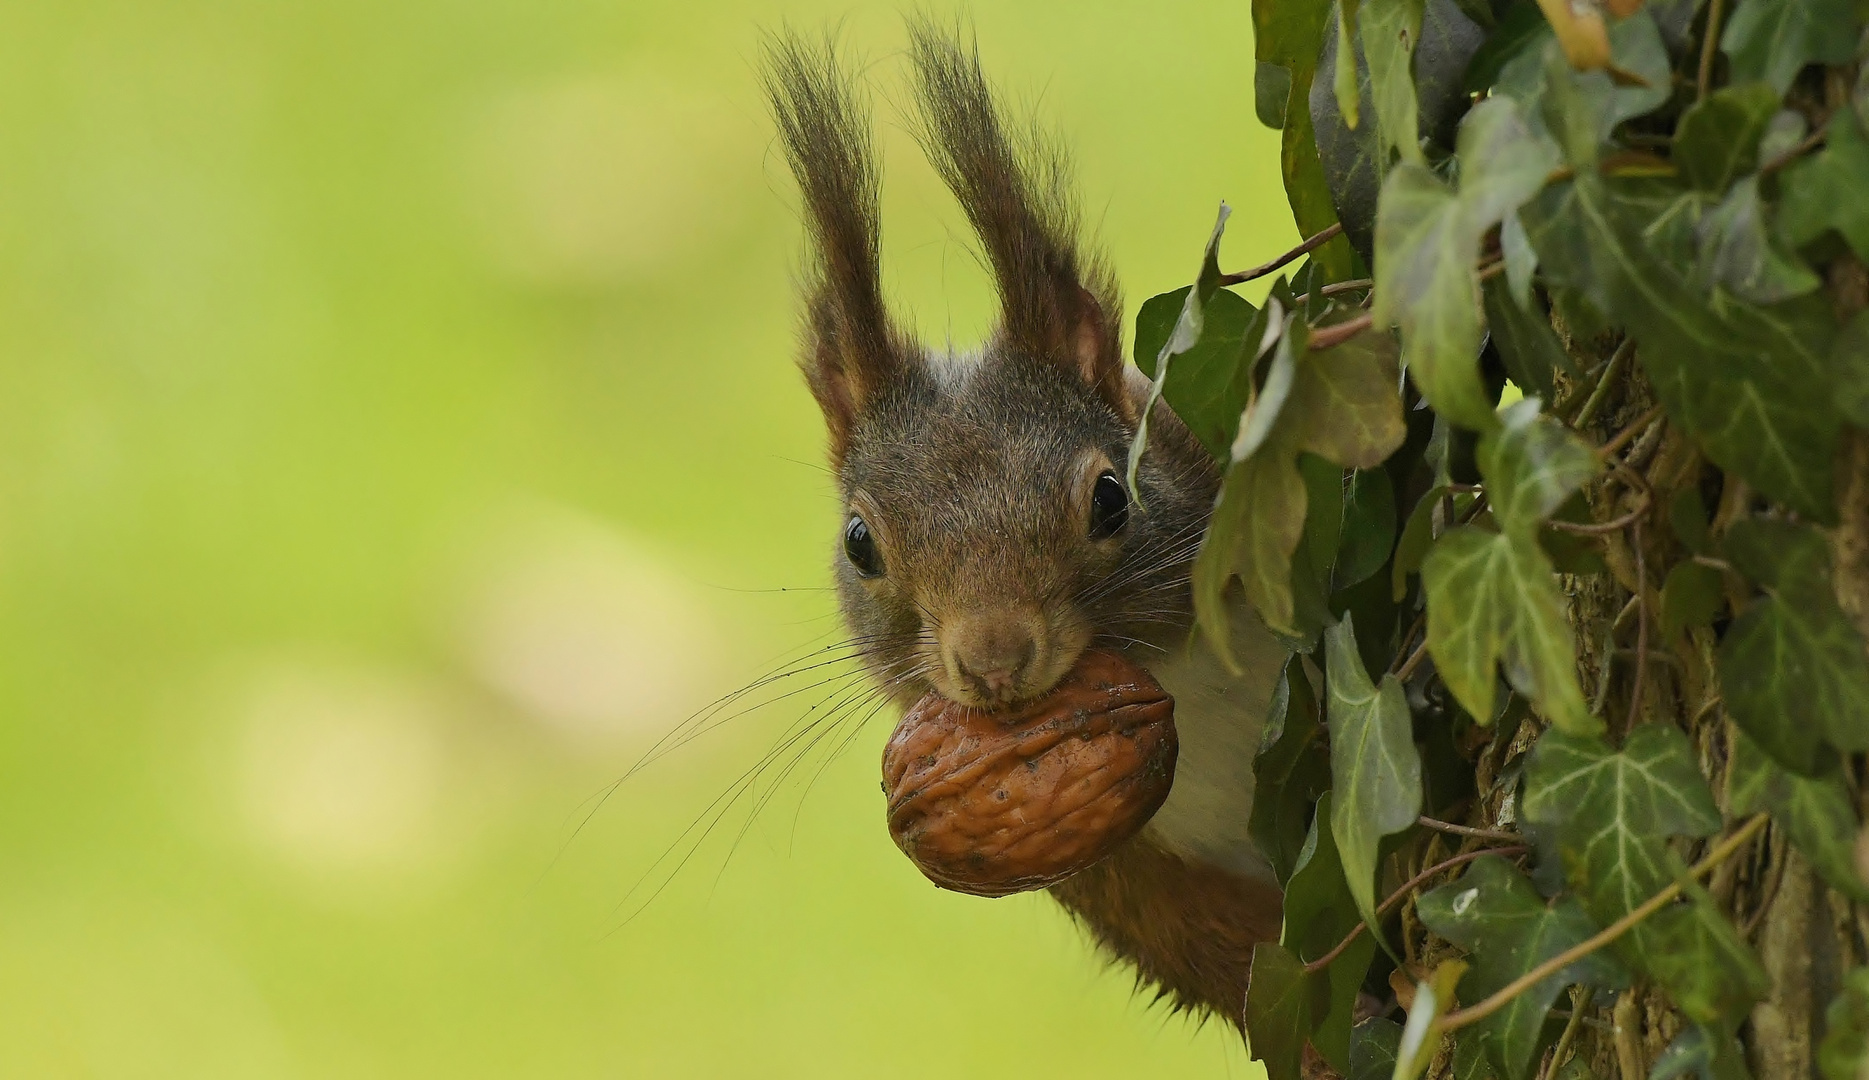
[974,476]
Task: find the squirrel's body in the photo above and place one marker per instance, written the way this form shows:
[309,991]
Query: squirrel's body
[989,539]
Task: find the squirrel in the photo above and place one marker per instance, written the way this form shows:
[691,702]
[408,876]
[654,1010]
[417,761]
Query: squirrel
[988,537]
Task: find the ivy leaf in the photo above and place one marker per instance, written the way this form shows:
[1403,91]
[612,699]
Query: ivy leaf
[1815,812]
[1374,767]
[1425,281]
[1389,30]
[1792,667]
[1746,381]
[1280,1001]
[1427,243]
[1844,1053]
[1255,421]
[1612,811]
[1343,80]
[1829,189]
[1772,40]
[1697,956]
[1532,353]
[1707,1054]
[1494,913]
[1212,380]
[1718,136]
[1739,252]
[1290,772]
[1421,1035]
[1417,535]
[1368,531]
[1491,596]
[1584,107]
[1188,328]
[1344,407]
[1373,1046]
[1287,35]
[1691,596]
[1319,911]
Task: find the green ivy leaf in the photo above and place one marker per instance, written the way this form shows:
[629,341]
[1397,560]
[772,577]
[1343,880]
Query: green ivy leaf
[1772,40]
[1738,251]
[1532,353]
[1319,911]
[1290,772]
[1491,596]
[1280,1001]
[1417,535]
[1792,667]
[1584,108]
[1210,383]
[1612,811]
[1372,1049]
[1507,929]
[1829,189]
[1368,531]
[1844,1053]
[1697,956]
[1427,243]
[1374,767]
[1390,30]
[1188,329]
[1287,35]
[1343,80]
[1344,407]
[1707,1054]
[1746,381]
[1815,812]
[1691,596]
[1717,139]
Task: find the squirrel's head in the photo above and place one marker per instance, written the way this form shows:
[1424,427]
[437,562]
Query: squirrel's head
[988,536]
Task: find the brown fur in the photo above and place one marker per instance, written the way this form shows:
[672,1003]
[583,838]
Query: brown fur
[1189,929]
[973,474]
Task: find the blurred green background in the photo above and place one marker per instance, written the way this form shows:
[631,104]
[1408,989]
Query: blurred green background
[398,433]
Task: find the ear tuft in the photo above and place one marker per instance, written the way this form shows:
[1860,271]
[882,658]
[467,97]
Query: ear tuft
[852,348]
[1056,302]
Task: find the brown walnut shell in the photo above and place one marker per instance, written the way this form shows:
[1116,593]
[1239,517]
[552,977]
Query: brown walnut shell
[992,803]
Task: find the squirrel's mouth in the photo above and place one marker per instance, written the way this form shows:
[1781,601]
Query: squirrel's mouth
[1029,678]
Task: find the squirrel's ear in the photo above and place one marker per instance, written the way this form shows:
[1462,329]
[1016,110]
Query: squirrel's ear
[1056,302]
[852,350]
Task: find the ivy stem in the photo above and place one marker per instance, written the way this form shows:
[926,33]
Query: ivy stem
[1398,895]
[1579,1004]
[1468,830]
[1617,361]
[1454,1021]
[1641,628]
[1414,661]
[1337,333]
[1629,434]
[1311,243]
[1709,46]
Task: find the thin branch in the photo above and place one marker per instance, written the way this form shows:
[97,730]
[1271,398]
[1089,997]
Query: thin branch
[1337,333]
[1400,894]
[1641,628]
[1311,243]
[1579,1004]
[1617,360]
[1414,661]
[1645,493]
[1454,1021]
[1629,434]
[1468,830]
[1811,142]
[1709,46]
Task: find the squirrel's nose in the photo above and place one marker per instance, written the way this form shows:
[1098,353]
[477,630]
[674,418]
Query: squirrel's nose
[990,654]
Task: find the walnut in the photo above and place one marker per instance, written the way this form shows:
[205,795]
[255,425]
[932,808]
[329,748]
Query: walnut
[992,803]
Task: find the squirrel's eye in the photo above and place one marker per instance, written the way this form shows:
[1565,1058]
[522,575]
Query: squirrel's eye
[1109,507]
[860,548]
